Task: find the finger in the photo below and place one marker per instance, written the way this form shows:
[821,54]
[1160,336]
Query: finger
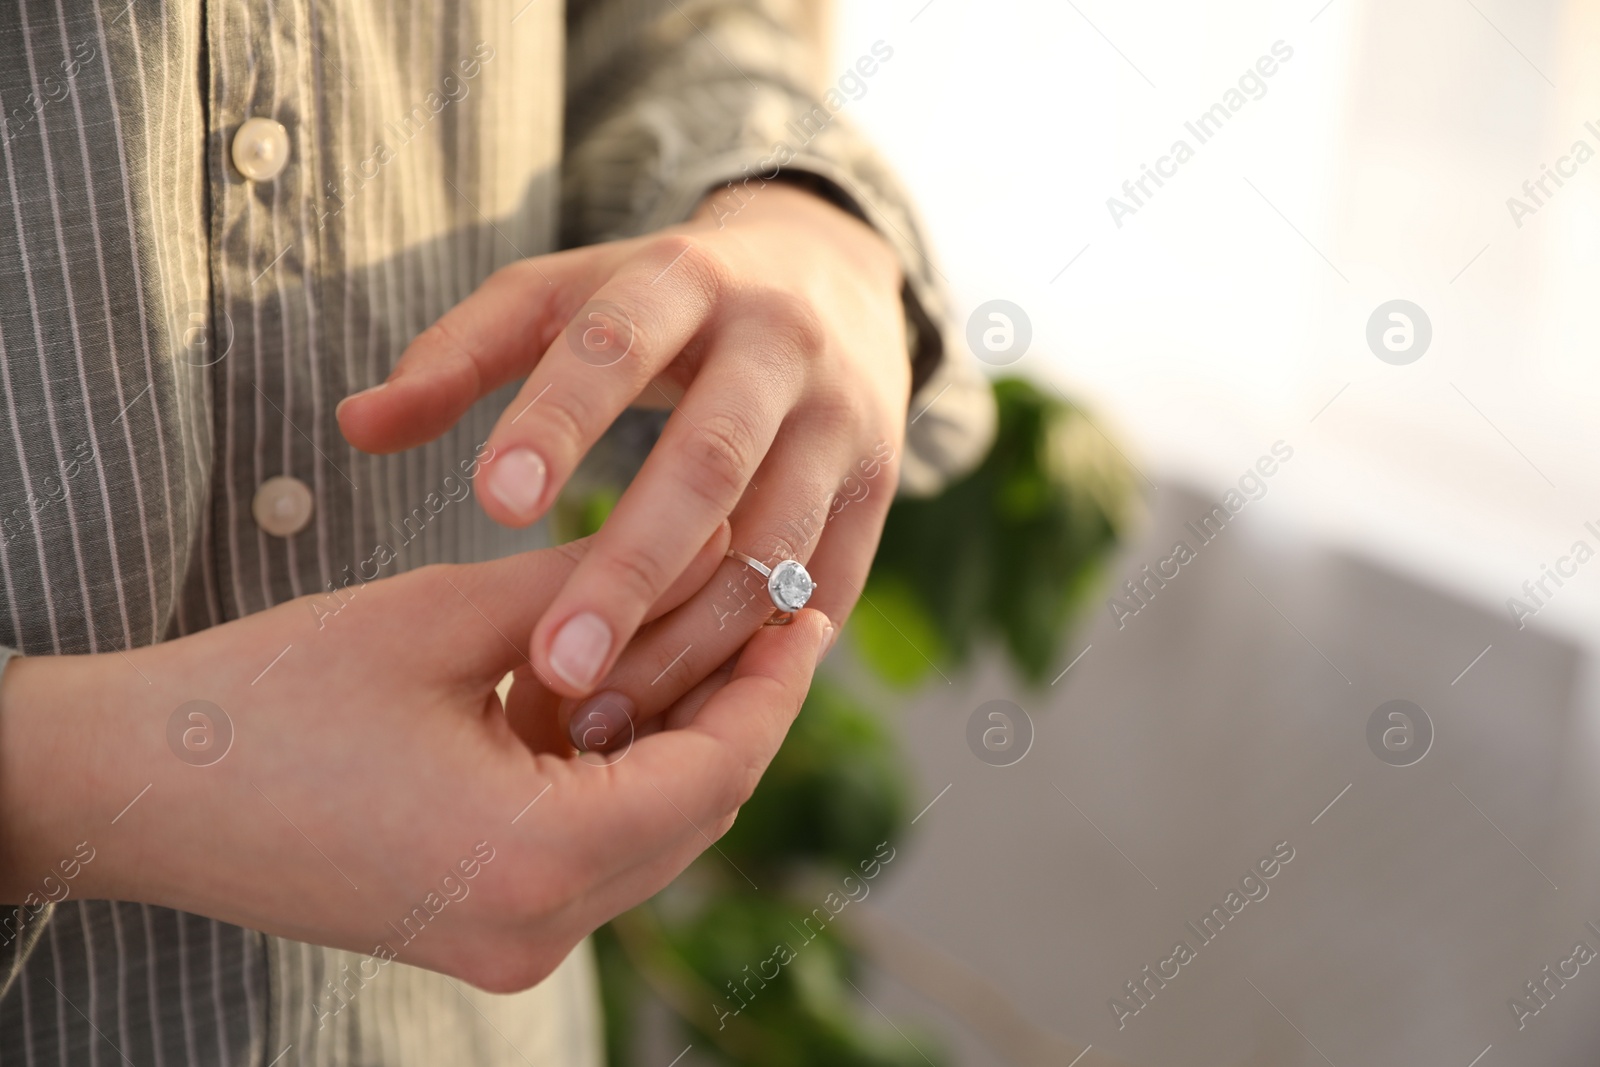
[849,540]
[693,577]
[634,885]
[496,335]
[710,767]
[608,722]
[688,706]
[677,791]
[771,524]
[693,478]
[626,334]
[508,596]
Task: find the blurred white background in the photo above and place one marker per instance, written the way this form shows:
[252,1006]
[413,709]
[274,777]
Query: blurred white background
[1207,327]
[1228,313]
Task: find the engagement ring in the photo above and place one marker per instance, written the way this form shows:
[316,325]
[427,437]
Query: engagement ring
[788,584]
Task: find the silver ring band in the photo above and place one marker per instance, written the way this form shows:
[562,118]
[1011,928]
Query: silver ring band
[761,568]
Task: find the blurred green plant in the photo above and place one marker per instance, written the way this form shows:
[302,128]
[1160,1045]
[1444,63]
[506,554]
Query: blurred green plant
[1005,555]
[1009,551]
[835,792]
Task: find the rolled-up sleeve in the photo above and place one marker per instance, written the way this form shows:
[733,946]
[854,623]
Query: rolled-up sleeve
[670,100]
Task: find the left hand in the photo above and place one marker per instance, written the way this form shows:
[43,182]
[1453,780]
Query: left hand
[778,337]
[348,784]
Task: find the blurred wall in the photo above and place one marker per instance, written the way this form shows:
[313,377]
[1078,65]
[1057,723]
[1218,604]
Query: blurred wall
[1231,714]
[1231,309]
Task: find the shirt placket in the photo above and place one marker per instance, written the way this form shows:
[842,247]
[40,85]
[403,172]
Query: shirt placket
[271,414]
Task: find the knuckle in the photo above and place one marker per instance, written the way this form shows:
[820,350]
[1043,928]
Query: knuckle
[681,664]
[731,435]
[499,971]
[738,784]
[723,825]
[745,783]
[573,551]
[793,326]
[454,349]
[799,529]
[692,259]
[719,449]
[731,794]
[564,418]
[639,572]
[834,403]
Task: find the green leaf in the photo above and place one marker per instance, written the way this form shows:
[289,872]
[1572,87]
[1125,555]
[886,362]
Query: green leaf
[778,971]
[894,632]
[579,514]
[834,791]
[1010,553]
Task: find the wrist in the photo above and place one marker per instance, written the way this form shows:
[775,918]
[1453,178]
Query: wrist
[53,772]
[789,200]
[759,196]
[801,215]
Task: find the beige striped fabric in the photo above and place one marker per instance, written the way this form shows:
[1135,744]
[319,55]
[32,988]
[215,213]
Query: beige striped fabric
[173,335]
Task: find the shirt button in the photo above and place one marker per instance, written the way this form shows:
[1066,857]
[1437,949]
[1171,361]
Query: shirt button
[282,506]
[261,149]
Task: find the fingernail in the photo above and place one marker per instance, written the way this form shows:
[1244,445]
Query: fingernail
[516,481]
[365,392]
[580,649]
[600,721]
[828,634]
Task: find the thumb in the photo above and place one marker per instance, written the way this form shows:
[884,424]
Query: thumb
[496,335]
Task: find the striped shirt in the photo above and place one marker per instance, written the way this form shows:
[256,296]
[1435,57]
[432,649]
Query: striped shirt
[174,337]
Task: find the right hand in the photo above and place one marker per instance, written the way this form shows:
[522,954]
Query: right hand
[368,762]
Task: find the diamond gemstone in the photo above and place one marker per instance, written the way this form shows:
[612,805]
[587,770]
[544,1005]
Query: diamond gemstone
[790,586]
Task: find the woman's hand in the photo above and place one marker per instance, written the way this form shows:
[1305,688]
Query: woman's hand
[360,786]
[776,334]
